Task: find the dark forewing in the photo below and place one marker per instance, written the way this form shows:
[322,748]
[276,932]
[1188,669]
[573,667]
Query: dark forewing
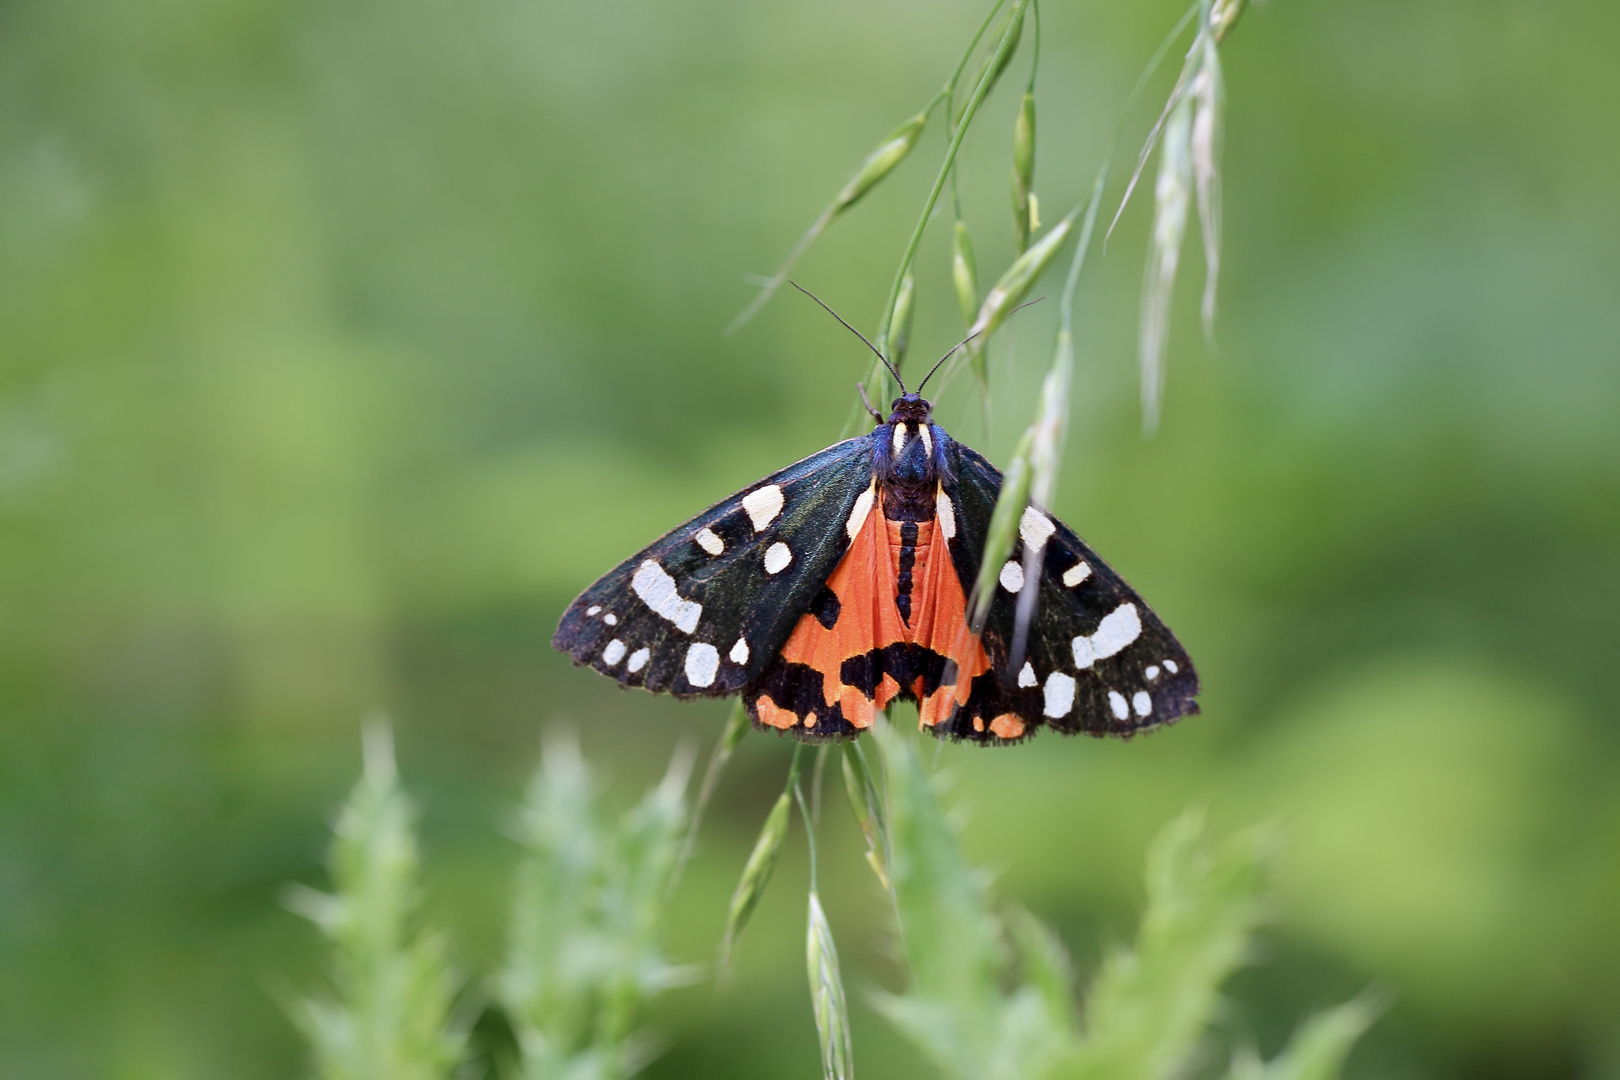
[1098,660]
[705,608]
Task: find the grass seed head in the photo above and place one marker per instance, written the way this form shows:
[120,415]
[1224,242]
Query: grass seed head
[757,872]
[900,323]
[827,997]
[868,808]
[1023,174]
[1206,90]
[1020,277]
[1170,197]
[1006,57]
[964,273]
[880,163]
[1224,15]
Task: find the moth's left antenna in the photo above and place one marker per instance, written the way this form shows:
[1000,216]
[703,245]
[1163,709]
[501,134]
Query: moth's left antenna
[852,330]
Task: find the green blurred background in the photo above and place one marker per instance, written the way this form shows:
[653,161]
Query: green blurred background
[345,340]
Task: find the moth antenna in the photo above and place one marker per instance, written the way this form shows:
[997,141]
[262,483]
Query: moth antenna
[964,342]
[950,352]
[854,331]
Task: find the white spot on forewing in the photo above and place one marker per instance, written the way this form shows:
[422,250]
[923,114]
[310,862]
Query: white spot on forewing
[638,660]
[763,505]
[657,590]
[1026,675]
[1152,672]
[708,541]
[946,514]
[1059,694]
[863,506]
[739,651]
[611,619]
[1116,701]
[777,557]
[1035,527]
[1118,629]
[1142,702]
[702,662]
[1170,666]
[1012,576]
[899,439]
[613,653]
[928,440]
[1075,574]
[593,609]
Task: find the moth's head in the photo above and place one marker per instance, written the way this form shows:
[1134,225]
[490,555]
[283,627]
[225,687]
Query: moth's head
[907,452]
[910,409]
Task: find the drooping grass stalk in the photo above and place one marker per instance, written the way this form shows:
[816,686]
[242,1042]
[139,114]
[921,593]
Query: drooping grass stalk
[992,69]
[389,1014]
[1189,132]
[872,170]
[1032,471]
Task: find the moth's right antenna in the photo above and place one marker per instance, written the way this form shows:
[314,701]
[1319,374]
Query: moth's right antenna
[950,352]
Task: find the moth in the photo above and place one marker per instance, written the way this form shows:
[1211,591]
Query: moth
[831,589]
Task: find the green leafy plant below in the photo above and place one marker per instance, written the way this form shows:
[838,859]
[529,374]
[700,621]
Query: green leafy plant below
[990,997]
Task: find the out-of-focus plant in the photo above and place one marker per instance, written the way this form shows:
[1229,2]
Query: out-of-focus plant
[583,956]
[1149,1008]
[390,1012]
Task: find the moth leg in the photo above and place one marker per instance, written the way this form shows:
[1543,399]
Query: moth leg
[867,402]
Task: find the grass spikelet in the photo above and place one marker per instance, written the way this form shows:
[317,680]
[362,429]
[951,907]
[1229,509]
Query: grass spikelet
[1012,31]
[904,310]
[389,1016]
[761,865]
[867,804]
[1009,292]
[1023,174]
[1188,133]
[1224,15]
[1208,93]
[877,165]
[964,273]
[1170,197]
[827,997]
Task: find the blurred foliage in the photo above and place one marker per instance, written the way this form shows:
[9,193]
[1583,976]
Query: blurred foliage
[1149,1009]
[390,1018]
[343,343]
[582,958]
[584,955]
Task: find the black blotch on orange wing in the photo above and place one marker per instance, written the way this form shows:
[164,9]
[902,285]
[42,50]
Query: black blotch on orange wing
[826,608]
[799,689]
[902,662]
